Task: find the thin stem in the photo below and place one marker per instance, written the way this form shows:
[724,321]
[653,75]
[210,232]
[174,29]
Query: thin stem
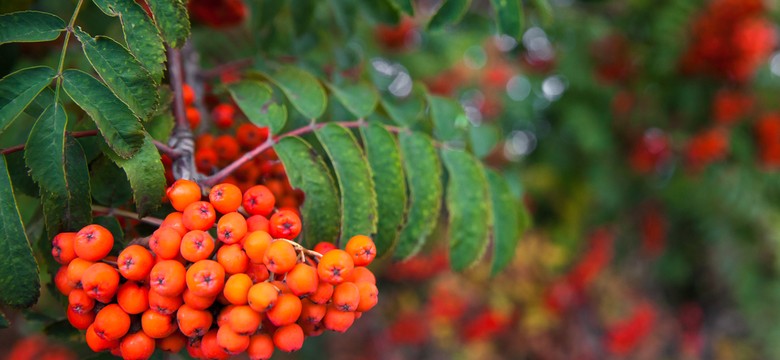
[127,214]
[218,70]
[75,134]
[302,249]
[175,74]
[68,33]
[167,150]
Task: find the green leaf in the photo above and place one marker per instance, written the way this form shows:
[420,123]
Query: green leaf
[123,74]
[307,171]
[4,324]
[109,183]
[423,176]
[302,12]
[30,26]
[161,126]
[405,111]
[302,89]
[141,35]
[23,182]
[544,8]
[360,99]
[120,128]
[384,159]
[383,11]
[403,5]
[18,89]
[18,269]
[510,17]
[449,119]
[358,199]
[256,101]
[172,20]
[69,208]
[146,174]
[468,208]
[506,221]
[450,12]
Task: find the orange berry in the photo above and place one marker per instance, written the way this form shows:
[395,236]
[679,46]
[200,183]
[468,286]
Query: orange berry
[198,302]
[224,315]
[166,305]
[243,320]
[257,272]
[282,286]
[346,296]
[167,278]
[285,224]
[257,223]
[157,325]
[261,347]
[93,242]
[335,266]
[302,279]
[193,322]
[258,200]
[63,247]
[227,148]
[286,311]
[182,193]
[226,198]
[323,293]
[210,346]
[231,228]
[337,320]
[206,278]
[280,257]
[138,346]
[188,94]
[135,262]
[237,289]
[80,321]
[369,296]
[312,329]
[199,215]
[165,243]
[204,141]
[100,281]
[222,115]
[255,245]
[324,246]
[312,312]
[362,250]
[193,117]
[262,296]
[196,245]
[97,343]
[111,322]
[62,283]
[175,221]
[80,302]
[249,136]
[193,348]
[362,274]
[206,160]
[231,342]
[233,259]
[289,338]
[133,298]
[76,269]
[173,343]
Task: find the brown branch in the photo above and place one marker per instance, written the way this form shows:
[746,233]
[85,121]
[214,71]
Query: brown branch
[127,214]
[218,70]
[167,150]
[75,134]
[177,84]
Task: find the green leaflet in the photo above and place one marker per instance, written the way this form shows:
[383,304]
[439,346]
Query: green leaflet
[120,128]
[256,101]
[146,174]
[449,119]
[18,269]
[302,89]
[383,11]
[109,183]
[69,209]
[405,111]
[403,5]
[44,152]
[307,171]
[506,221]
[358,199]
[141,35]
[18,89]
[544,8]
[123,74]
[510,17]
[449,13]
[468,208]
[30,26]
[423,176]
[384,159]
[360,99]
[172,20]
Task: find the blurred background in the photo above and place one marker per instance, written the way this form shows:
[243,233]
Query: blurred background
[643,135]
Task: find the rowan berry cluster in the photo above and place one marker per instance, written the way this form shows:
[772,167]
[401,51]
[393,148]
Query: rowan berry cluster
[218,285]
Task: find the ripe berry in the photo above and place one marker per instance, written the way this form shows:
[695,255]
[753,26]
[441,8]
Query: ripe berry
[80,302]
[97,343]
[324,246]
[135,262]
[226,198]
[335,266]
[62,283]
[233,259]
[257,272]
[223,115]
[173,343]
[211,348]
[100,281]
[174,221]
[323,293]
[193,322]
[255,245]
[258,200]
[196,245]
[206,278]
[257,223]
[312,312]
[362,250]
[280,257]
[369,296]
[261,347]
[93,242]
[249,136]
[133,298]
[231,342]
[76,269]
[62,247]
[182,193]
[262,296]
[157,325]
[166,305]
[193,117]
[338,321]
[188,94]
[227,148]
[243,320]
[289,338]
[199,215]
[111,322]
[167,278]
[80,321]
[138,346]
[206,160]
[285,224]
[346,296]
[231,228]
[302,279]
[286,311]
[362,274]
[237,289]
